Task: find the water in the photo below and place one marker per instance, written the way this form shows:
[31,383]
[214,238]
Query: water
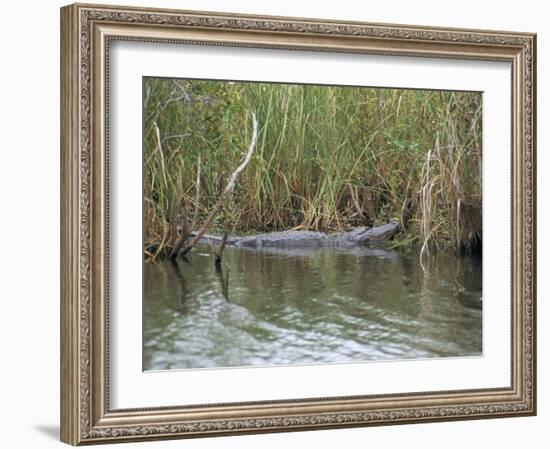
[307,306]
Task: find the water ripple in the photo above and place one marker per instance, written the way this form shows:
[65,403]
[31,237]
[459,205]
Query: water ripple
[320,306]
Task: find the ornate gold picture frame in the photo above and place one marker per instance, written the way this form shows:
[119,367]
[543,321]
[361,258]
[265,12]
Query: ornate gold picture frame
[87,32]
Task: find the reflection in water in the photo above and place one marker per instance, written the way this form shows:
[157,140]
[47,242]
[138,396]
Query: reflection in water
[318,305]
[224,281]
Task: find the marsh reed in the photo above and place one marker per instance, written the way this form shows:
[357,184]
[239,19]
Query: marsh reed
[327,158]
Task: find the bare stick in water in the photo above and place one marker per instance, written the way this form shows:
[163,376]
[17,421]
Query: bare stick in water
[227,191]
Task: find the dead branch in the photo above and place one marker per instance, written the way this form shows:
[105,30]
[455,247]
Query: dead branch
[184,235]
[228,189]
[355,203]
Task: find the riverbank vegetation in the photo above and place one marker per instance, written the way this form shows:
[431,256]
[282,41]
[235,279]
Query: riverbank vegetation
[326,158]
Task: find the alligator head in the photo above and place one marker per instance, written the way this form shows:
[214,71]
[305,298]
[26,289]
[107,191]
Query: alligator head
[365,236]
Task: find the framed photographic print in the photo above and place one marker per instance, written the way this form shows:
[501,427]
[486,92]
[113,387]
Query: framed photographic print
[279,224]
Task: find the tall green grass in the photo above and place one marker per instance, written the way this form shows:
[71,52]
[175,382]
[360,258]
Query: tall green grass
[327,158]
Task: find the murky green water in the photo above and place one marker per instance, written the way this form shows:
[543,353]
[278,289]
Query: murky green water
[308,306]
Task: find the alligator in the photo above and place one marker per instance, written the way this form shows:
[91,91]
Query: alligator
[361,236]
